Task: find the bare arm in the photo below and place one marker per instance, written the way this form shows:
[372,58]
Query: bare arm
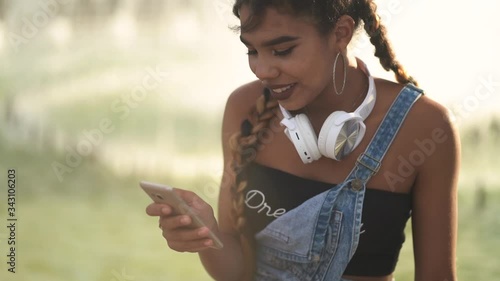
[435,198]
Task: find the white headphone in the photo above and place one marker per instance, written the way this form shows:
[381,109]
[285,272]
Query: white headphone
[340,134]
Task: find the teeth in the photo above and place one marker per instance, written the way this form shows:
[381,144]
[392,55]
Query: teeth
[280,90]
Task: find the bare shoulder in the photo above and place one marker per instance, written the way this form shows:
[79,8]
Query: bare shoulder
[431,131]
[239,104]
[243,98]
[427,115]
[430,117]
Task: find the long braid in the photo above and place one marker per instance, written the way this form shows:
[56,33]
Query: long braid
[244,146]
[367,10]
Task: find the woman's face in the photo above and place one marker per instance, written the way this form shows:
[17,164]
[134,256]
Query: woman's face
[290,57]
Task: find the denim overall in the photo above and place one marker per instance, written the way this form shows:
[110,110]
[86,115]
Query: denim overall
[316,240]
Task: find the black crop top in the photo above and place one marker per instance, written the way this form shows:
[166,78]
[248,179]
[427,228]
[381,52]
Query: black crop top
[271,192]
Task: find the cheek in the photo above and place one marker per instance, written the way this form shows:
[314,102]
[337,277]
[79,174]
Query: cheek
[315,72]
[252,63]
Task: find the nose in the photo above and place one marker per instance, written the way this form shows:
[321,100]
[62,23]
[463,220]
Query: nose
[264,69]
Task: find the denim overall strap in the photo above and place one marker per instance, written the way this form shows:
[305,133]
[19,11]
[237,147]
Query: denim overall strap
[367,164]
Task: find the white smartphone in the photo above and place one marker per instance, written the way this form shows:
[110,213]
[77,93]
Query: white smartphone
[165,194]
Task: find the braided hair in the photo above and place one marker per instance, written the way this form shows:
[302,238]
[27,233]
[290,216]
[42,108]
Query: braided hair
[244,146]
[377,32]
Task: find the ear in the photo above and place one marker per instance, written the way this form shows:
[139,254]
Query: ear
[343,32]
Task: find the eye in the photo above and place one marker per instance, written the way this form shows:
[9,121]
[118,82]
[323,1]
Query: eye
[252,52]
[282,53]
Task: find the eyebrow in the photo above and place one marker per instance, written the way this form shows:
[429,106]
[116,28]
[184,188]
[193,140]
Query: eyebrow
[275,41]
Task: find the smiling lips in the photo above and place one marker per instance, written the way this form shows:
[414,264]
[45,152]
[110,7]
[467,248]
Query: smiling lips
[282,92]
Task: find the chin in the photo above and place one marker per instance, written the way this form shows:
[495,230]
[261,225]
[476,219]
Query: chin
[287,104]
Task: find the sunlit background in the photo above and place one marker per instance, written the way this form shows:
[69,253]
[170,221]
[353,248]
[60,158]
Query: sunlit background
[97,95]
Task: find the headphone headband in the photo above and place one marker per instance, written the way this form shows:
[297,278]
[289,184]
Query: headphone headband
[368,103]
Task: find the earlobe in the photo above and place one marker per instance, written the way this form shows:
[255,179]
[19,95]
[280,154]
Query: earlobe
[343,31]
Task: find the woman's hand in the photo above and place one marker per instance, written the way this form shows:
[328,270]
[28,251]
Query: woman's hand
[178,230]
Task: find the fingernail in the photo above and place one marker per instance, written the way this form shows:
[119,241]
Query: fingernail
[184,220]
[164,210]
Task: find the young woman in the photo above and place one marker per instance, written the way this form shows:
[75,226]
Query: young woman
[329,197]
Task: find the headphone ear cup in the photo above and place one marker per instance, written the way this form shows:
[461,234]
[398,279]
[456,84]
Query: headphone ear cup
[307,137]
[327,131]
[337,139]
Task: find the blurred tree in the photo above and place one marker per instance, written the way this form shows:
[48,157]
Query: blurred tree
[82,14]
[495,128]
[473,136]
[110,7]
[2,10]
[92,13]
[481,195]
[149,10]
[10,116]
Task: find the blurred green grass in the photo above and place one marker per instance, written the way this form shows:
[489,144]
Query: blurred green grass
[88,227]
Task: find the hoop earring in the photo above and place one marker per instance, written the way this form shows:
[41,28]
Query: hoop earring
[334,71]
